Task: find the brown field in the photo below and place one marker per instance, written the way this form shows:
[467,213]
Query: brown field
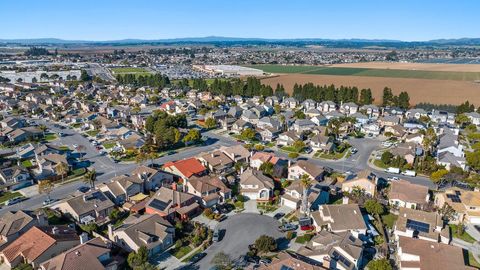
[420,90]
[414,66]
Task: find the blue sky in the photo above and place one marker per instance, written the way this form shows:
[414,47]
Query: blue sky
[155,19]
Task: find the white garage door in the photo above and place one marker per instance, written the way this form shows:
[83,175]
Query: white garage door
[474,220]
[251,196]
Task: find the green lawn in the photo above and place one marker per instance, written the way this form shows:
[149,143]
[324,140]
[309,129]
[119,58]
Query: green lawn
[50,137]
[372,72]
[9,195]
[27,164]
[127,70]
[304,238]
[77,172]
[389,219]
[380,164]
[465,236]
[92,133]
[266,207]
[109,145]
[182,251]
[472,261]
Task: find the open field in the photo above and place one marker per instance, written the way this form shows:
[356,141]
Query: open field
[414,66]
[420,90]
[378,71]
[128,70]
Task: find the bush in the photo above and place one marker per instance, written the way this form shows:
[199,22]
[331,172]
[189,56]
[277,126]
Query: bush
[291,235]
[208,213]
[293,155]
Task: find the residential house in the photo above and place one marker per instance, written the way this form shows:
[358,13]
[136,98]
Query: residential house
[371,110]
[216,161]
[327,106]
[416,138]
[237,153]
[210,189]
[250,116]
[280,166]
[448,142]
[339,218]
[309,104]
[425,255]
[151,231]
[287,138]
[289,260]
[293,195]
[321,142]
[405,150]
[335,250]
[15,177]
[348,108]
[474,118]
[403,193]
[371,129]
[240,125]
[466,204]
[172,204]
[152,178]
[396,131]
[93,254]
[185,168]
[121,188]
[255,185]
[416,113]
[93,206]
[290,102]
[319,120]
[14,224]
[47,165]
[302,167]
[38,245]
[449,160]
[312,112]
[422,225]
[389,121]
[365,181]
[302,125]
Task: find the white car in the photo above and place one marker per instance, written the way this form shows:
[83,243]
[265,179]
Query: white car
[75,145]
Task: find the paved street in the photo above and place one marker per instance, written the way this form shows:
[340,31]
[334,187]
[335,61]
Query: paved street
[238,232]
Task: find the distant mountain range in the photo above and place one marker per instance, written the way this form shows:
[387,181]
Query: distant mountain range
[253,41]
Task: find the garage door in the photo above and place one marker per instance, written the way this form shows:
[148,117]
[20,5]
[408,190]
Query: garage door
[289,204]
[251,196]
[474,220]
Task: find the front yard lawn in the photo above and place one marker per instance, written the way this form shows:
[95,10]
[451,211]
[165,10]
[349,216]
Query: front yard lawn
[304,238]
[472,261]
[182,251]
[380,164]
[50,137]
[9,195]
[266,207]
[465,236]
[92,133]
[27,164]
[109,145]
[335,155]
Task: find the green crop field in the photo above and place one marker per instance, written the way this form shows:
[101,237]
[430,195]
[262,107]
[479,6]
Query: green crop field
[127,70]
[371,72]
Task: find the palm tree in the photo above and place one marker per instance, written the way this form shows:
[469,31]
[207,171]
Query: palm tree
[306,184]
[62,169]
[90,177]
[43,128]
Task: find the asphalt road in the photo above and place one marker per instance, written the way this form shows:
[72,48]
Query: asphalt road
[238,232]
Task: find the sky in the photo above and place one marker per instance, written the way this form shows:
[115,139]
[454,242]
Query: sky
[408,20]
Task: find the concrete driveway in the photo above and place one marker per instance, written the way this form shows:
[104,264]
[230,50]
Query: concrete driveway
[239,231]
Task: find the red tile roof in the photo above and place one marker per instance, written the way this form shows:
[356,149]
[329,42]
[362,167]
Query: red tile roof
[187,167]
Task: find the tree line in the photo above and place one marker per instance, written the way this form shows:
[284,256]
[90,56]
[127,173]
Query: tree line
[152,80]
[331,93]
[401,101]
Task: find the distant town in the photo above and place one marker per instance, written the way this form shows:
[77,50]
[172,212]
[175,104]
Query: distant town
[186,157]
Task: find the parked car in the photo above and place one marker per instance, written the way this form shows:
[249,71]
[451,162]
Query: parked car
[307,228]
[197,257]
[216,235]
[265,260]
[48,202]
[278,216]
[14,201]
[83,189]
[288,227]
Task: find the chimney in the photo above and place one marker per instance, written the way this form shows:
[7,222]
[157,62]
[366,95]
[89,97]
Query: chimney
[110,232]
[42,219]
[83,238]
[241,170]
[326,262]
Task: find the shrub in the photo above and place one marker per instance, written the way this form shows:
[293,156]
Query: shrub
[293,155]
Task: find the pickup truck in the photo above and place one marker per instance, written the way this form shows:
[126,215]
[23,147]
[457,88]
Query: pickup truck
[288,227]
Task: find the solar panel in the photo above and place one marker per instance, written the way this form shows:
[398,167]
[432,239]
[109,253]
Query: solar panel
[158,204]
[458,193]
[284,267]
[418,226]
[454,198]
[340,258]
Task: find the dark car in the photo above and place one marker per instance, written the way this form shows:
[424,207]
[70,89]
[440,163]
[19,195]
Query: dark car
[83,189]
[197,257]
[278,216]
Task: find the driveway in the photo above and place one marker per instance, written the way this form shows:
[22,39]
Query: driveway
[166,261]
[251,207]
[239,231]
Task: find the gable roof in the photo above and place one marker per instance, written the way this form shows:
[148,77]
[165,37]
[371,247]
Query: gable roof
[408,192]
[13,222]
[187,167]
[343,217]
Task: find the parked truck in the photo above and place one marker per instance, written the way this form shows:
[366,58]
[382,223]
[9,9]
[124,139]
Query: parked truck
[409,173]
[392,170]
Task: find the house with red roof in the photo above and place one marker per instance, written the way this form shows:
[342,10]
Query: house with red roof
[38,245]
[185,168]
[279,165]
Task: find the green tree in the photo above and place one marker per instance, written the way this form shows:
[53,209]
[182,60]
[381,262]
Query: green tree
[210,123]
[265,244]
[248,134]
[222,261]
[84,77]
[373,207]
[62,169]
[403,100]
[193,135]
[45,187]
[306,184]
[386,157]
[139,258]
[90,177]
[438,175]
[379,264]
[299,145]
[267,168]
